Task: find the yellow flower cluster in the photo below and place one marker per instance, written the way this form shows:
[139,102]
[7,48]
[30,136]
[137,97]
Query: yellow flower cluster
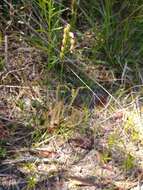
[68,38]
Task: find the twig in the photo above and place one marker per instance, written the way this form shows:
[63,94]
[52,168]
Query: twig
[6,50]
[5,119]
[29,159]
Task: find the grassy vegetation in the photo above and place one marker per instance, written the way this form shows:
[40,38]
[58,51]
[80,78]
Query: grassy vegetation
[71,91]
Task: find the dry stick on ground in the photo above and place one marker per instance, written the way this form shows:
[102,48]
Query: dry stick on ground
[6,50]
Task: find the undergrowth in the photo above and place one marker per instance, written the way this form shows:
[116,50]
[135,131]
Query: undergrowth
[79,85]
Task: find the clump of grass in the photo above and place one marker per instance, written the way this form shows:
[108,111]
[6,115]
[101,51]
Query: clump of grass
[120,24]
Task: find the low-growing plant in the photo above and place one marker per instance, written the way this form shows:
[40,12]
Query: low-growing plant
[112,140]
[131,126]
[129,162]
[31,182]
[3,152]
[105,157]
[29,168]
